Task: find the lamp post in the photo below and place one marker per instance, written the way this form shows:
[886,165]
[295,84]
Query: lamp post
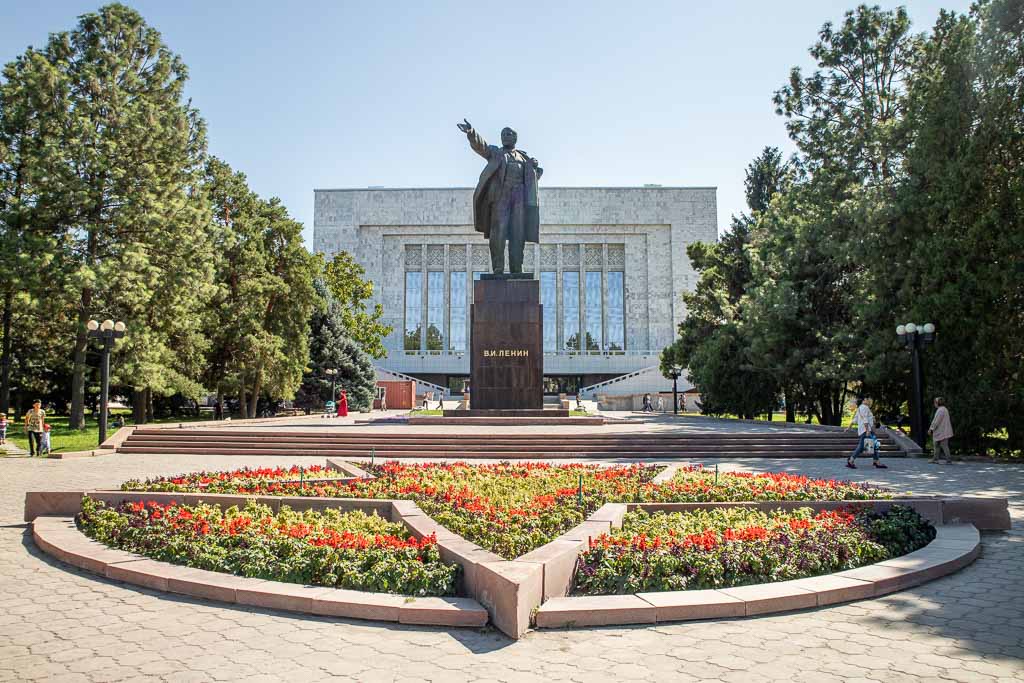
[107,331]
[916,337]
[332,373]
[675,372]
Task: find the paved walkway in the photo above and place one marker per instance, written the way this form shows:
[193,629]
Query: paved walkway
[60,624]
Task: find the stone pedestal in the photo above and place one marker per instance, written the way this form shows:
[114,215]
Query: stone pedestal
[506,364]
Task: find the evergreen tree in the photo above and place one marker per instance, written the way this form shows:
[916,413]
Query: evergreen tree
[951,245]
[121,154]
[712,341]
[331,348]
[258,318]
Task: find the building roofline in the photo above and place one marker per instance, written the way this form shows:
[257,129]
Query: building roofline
[546,187]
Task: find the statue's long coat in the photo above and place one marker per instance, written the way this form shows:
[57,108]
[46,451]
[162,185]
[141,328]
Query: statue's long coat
[488,189]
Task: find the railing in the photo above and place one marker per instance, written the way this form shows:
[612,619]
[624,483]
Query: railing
[620,378]
[409,378]
[460,354]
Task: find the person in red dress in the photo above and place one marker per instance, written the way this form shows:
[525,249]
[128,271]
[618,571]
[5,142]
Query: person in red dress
[343,405]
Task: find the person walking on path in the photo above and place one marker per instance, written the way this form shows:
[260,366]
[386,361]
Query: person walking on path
[661,404]
[343,405]
[34,421]
[865,420]
[941,430]
[3,430]
[648,408]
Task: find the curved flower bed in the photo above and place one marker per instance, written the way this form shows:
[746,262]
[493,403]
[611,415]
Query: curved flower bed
[513,508]
[739,546]
[330,548]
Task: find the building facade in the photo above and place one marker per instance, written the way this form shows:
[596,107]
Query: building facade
[612,267]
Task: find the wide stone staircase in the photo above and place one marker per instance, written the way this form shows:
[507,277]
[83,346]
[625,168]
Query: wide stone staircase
[788,443]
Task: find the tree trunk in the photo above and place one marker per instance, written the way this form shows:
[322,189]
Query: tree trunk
[790,408]
[77,418]
[149,405]
[139,406]
[5,361]
[255,394]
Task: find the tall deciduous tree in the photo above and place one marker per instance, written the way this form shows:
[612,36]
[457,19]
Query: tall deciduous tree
[350,292]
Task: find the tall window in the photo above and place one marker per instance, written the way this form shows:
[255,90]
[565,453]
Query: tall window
[435,311]
[571,309]
[413,310]
[457,310]
[593,310]
[615,313]
[549,299]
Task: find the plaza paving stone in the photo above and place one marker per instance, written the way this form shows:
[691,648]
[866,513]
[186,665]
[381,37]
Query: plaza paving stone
[61,624]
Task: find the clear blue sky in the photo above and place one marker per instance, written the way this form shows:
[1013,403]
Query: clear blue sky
[304,95]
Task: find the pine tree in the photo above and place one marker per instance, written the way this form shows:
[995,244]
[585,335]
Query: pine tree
[121,156]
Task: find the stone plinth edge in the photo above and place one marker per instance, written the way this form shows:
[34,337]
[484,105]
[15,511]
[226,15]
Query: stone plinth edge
[58,537]
[954,547]
[504,421]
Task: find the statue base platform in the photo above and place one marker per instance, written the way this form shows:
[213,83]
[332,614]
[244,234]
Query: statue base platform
[506,276]
[499,412]
[506,361]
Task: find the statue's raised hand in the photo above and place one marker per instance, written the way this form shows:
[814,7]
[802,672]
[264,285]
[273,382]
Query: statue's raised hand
[464,127]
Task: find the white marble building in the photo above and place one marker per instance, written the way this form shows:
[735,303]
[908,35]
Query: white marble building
[612,264]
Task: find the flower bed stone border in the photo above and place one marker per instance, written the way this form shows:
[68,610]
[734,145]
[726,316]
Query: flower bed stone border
[513,591]
[60,538]
[955,546]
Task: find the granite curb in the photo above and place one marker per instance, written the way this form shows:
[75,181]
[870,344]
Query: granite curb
[954,547]
[58,537]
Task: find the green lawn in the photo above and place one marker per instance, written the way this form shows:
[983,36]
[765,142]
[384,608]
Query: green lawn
[65,440]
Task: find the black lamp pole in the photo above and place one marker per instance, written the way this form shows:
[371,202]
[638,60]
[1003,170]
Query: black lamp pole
[676,371]
[916,337]
[107,332]
[333,372]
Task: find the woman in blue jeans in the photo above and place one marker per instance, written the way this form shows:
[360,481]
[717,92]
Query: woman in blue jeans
[865,421]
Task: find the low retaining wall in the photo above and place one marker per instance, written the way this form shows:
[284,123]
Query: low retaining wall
[59,537]
[954,547]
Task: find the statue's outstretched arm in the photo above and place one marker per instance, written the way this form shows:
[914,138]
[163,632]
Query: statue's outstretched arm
[478,144]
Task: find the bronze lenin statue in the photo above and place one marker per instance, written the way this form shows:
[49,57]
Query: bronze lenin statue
[505,207]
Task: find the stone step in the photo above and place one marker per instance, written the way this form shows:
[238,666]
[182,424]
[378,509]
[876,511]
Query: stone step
[263,434]
[496,455]
[473,438]
[490,446]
